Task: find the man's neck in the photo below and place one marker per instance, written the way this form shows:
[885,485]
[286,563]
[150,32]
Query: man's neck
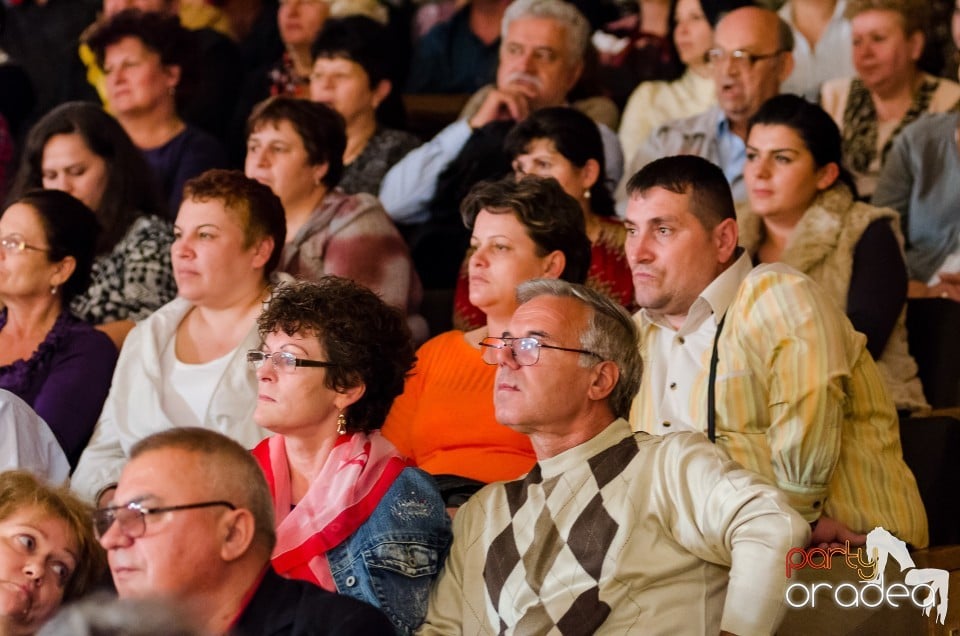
[220,607]
[595,420]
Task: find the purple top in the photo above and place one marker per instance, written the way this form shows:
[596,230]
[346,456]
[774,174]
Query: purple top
[187,155]
[66,379]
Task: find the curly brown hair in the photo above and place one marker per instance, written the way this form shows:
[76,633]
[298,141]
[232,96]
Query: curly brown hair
[367,340]
[20,489]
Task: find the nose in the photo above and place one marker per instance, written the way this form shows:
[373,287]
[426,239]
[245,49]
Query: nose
[478,258]
[267,372]
[637,248]
[34,569]
[505,357]
[113,538]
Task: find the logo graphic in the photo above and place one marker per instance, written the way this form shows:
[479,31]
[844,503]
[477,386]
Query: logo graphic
[924,587]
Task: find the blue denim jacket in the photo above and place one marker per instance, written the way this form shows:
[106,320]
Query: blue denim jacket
[392,560]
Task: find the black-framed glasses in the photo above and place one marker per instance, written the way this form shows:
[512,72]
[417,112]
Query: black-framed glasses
[739,58]
[15,243]
[283,361]
[132,517]
[526,351]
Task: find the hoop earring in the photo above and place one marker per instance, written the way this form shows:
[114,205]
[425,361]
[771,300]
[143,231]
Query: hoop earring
[341,424]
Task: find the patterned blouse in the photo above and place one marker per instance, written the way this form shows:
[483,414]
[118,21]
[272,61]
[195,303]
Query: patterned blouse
[609,273]
[385,148]
[134,279]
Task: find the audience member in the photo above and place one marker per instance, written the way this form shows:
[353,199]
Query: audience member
[149,64]
[339,488]
[750,58]
[296,147]
[55,362]
[195,528]
[918,181]
[49,553]
[789,390]
[563,143]
[80,149]
[444,420]
[611,531]
[821,51]
[802,213]
[351,75]
[890,90]
[184,365]
[541,58]
[27,443]
[655,103]
[459,55]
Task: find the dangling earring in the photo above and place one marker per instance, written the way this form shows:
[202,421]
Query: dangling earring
[341,424]
[53,290]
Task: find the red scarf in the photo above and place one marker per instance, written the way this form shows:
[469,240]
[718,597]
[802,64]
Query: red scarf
[359,471]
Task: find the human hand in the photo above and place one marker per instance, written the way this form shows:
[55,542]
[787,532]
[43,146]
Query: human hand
[830,533]
[500,104]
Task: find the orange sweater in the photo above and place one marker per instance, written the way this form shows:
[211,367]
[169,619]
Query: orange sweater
[444,421]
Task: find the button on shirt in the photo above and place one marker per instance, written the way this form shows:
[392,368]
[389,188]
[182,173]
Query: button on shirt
[679,359]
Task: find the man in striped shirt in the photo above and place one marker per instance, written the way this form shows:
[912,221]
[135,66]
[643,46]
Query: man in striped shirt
[796,396]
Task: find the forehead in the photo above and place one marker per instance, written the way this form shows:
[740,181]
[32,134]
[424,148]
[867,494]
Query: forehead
[127,45]
[505,223]
[22,219]
[753,31]
[775,136]
[337,63]
[559,319]
[195,212]
[540,145]
[279,129]
[659,203]
[164,474]
[884,19]
[537,32]
[66,143]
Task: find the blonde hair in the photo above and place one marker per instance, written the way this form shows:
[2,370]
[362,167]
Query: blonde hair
[914,14]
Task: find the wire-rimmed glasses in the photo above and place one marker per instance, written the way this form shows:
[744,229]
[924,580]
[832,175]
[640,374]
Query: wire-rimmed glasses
[526,350]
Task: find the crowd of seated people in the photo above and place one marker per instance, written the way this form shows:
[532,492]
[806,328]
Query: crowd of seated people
[228,271]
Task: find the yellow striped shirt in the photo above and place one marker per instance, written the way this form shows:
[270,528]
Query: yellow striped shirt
[800,401]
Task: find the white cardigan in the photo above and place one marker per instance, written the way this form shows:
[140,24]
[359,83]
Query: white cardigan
[133,409]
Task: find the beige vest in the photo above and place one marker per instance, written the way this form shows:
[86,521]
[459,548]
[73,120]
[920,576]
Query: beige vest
[822,247]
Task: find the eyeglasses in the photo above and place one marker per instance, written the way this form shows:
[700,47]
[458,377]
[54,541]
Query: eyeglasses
[283,361]
[526,351]
[15,243]
[131,517]
[739,58]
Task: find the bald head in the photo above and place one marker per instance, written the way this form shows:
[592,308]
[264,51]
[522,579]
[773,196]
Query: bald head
[752,56]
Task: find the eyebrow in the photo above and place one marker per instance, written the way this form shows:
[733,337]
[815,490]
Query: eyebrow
[793,150]
[202,225]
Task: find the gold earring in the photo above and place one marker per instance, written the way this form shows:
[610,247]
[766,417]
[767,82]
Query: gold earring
[341,424]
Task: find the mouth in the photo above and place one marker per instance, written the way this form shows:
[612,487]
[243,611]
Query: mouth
[265,398]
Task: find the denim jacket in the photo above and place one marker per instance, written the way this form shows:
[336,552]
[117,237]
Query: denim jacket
[392,560]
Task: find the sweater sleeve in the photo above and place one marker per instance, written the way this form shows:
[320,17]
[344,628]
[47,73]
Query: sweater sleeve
[878,286]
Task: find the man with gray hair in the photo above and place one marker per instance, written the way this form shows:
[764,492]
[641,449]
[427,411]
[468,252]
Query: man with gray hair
[611,532]
[194,526]
[752,56]
[542,47]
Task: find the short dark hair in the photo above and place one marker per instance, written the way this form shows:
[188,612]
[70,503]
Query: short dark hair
[356,38]
[71,229]
[710,198]
[552,218]
[258,209]
[130,191]
[160,32]
[575,136]
[321,128]
[367,340]
[20,489]
[231,469]
[812,124]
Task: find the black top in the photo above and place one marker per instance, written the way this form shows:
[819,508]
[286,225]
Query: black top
[878,286]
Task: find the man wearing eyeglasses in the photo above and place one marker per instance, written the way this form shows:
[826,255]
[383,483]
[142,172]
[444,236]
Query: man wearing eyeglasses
[192,523]
[751,57]
[611,532]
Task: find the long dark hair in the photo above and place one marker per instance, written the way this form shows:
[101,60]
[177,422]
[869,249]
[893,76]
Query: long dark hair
[130,191]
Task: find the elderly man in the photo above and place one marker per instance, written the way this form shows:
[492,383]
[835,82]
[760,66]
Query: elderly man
[195,527]
[610,532]
[751,57]
[541,58]
[762,360]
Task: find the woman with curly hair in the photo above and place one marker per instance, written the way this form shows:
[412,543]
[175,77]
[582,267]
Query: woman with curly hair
[349,507]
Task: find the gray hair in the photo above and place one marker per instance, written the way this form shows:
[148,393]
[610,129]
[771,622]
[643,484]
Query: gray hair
[576,26]
[610,333]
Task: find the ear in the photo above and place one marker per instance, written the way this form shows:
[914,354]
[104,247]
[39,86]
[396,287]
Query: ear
[725,237]
[63,270]
[589,174]
[827,175]
[173,75]
[236,532]
[554,264]
[381,91]
[606,375]
[262,251]
[786,66]
[346,397]
[320,171]
[574,75]
[916,42]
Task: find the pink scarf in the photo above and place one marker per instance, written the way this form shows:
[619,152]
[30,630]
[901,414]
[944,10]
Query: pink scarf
[359,471]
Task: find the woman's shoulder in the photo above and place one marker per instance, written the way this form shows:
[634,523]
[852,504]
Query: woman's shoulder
[945,96]
[75,335]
